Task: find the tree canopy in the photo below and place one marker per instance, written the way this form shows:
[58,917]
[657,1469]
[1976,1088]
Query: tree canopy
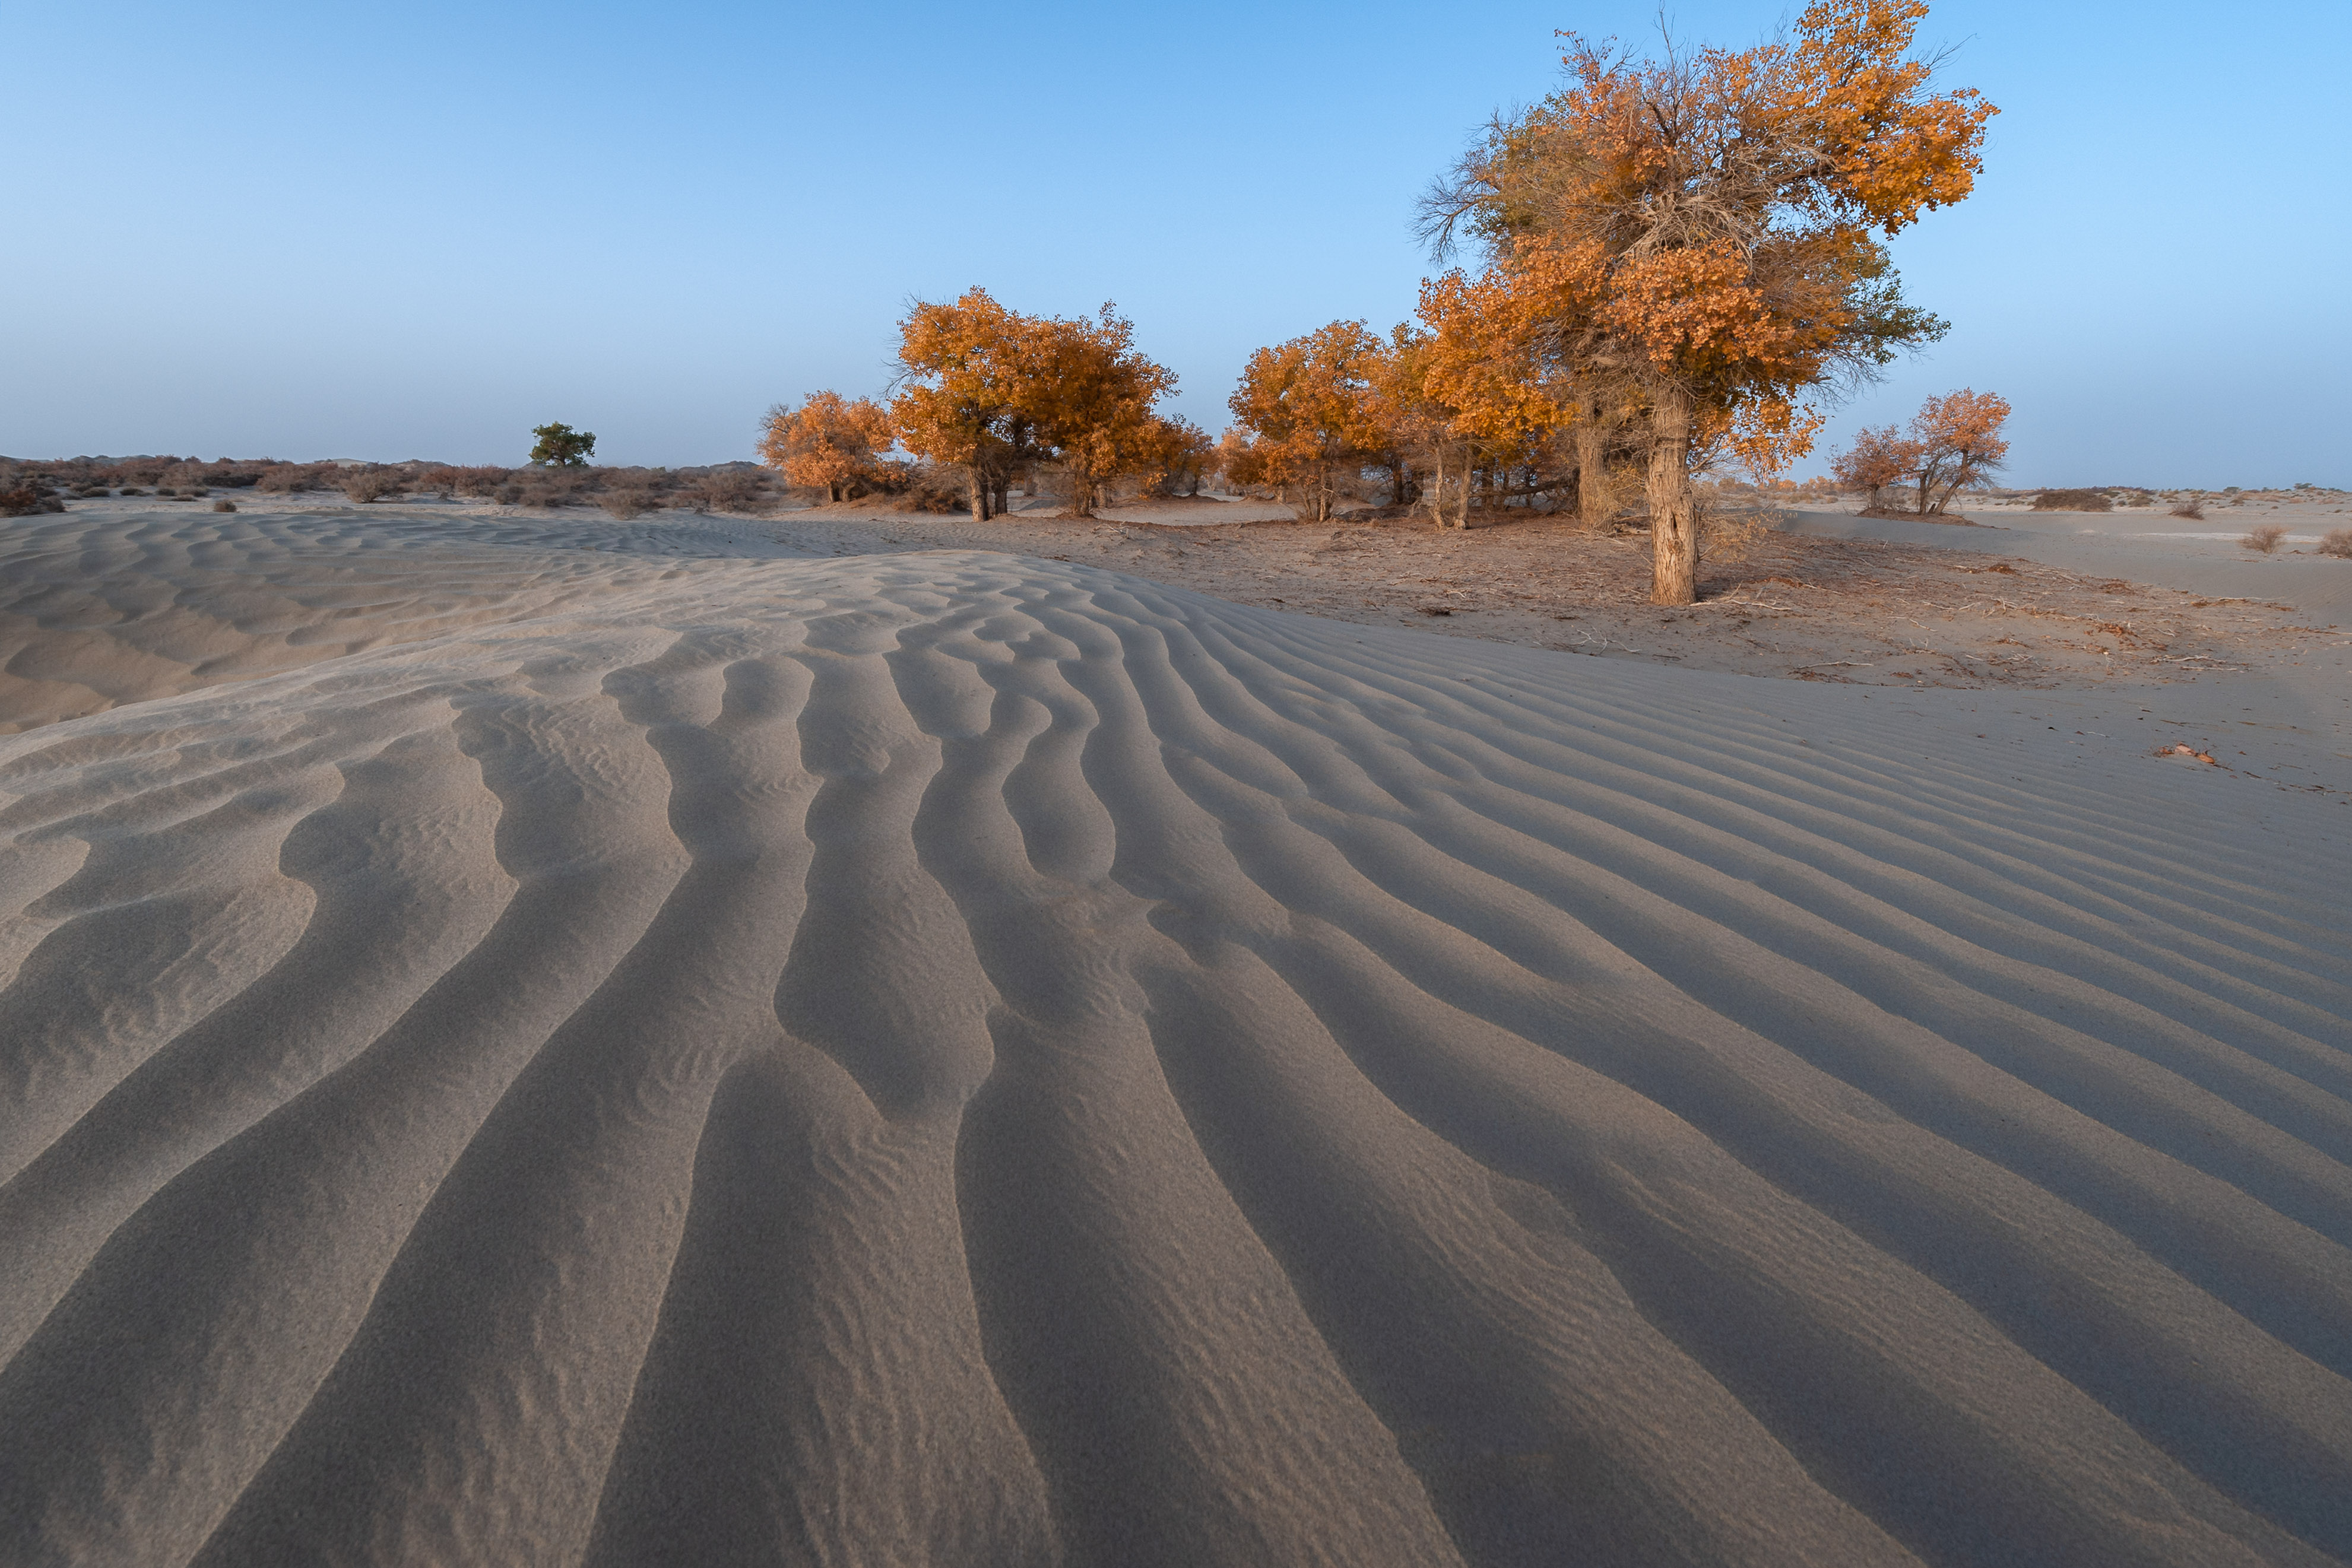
[829,443]
[993,391]
[1706,226]
[562,446]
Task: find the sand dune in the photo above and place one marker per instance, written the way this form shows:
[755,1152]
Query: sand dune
[963,1059]
[97,609]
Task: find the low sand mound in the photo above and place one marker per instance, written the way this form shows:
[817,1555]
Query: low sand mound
[955,1059]
[97,609]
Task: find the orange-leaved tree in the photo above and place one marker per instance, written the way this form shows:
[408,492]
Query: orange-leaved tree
[1960,443]
[830,443]
[1173,456]
[1717,214]
[1309,412]
[1879,458]
[1513,353]
[960,366]
[1084,396]
[992,391]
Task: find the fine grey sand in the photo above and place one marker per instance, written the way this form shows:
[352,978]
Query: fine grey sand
[687,1052]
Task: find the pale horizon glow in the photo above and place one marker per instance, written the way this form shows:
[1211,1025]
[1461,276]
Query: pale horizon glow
[265,229]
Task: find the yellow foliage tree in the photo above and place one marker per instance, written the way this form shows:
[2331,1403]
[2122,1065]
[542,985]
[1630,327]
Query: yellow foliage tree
[962,366]
[1087,395]
[1713,218]
[1173,456]
[829,443]
[1308,411]
[992,391]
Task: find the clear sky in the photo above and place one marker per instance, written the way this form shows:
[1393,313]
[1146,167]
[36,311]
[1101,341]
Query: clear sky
[316,228]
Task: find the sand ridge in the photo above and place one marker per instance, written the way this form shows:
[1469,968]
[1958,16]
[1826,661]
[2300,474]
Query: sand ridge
[955,1058]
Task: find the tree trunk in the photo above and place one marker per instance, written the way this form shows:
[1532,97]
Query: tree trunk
[1673,520]
[979,496]
[1591,466]
[1082,496]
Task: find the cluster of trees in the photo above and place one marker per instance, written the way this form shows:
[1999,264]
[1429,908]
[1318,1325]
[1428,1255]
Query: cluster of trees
[1954,443]
[1675,259]
[995,396]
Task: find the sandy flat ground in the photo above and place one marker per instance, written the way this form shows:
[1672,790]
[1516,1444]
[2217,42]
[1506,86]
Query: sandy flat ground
[851,1039]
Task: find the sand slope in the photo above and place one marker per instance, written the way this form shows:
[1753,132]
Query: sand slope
[951,1059]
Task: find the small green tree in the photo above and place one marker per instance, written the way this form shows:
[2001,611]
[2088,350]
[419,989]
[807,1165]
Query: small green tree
[562,446]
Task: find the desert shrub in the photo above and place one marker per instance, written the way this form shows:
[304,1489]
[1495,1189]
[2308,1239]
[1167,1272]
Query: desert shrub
[293,477]
[480,481]
[2072,501]
[508,494]
[230,478]
[223,506]
[931,488]
[2190,509]
[549,493]
[625,504]
[1726,536]
[368,483]
[727,490]
[2265,538]
[2337,544]
[20,501]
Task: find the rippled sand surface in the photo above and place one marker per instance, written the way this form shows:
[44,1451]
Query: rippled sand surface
[518,1054]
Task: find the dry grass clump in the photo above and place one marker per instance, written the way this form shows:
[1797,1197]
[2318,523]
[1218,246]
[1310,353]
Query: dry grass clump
[2195,509]
[2337,543]
[1726,536]
[365,485]
[626,504]
[2265,538]
[2074,501]
[223,506]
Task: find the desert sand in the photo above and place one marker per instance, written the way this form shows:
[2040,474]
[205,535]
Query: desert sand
[531,1041]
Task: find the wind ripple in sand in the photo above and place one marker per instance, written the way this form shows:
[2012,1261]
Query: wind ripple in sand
[959,1060]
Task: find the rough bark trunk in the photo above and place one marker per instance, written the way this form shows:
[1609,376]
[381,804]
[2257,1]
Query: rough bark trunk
[979,498]
[1592,460]
[1673,520]
[1437,491]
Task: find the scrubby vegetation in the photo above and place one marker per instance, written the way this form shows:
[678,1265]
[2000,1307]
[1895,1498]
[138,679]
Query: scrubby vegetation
[2074,501]
[2265,539]
[741,487]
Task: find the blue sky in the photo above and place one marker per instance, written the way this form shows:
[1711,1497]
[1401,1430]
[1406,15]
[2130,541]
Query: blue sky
[326,229]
